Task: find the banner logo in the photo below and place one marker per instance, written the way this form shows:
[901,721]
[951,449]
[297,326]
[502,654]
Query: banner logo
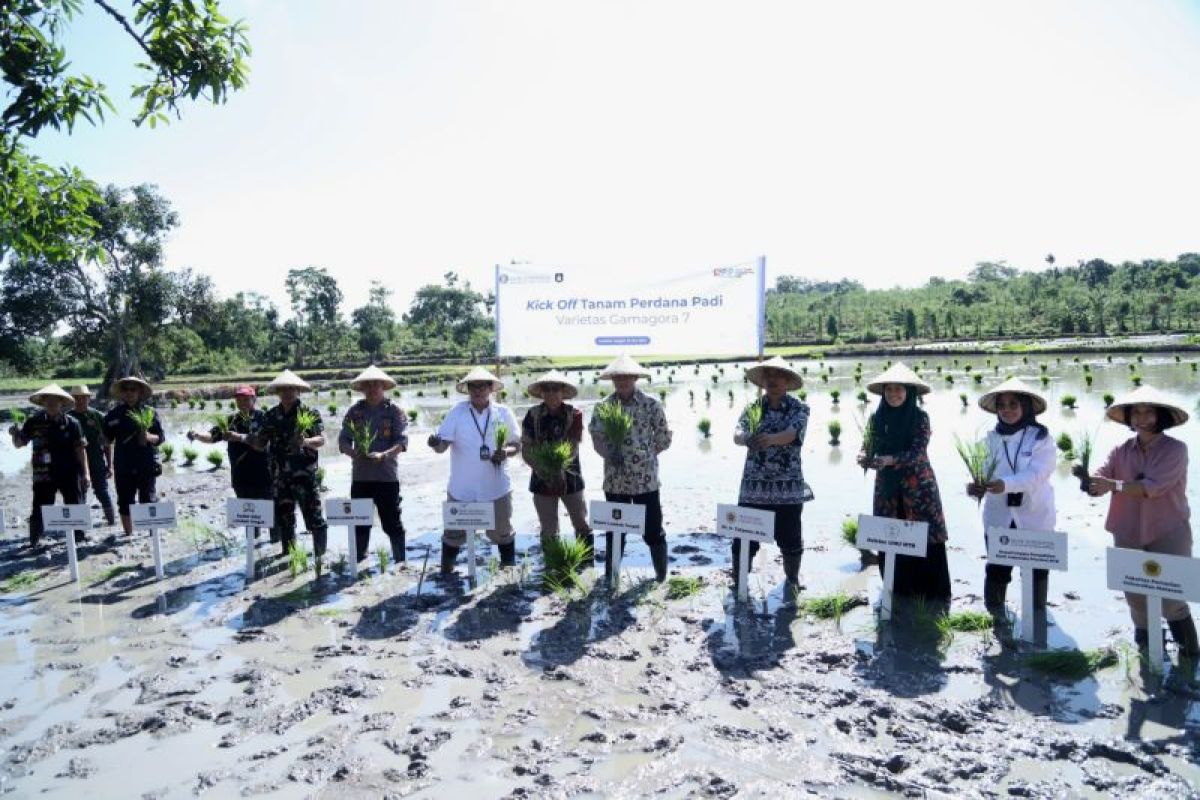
[731,517]
[616,514]
[1152,568]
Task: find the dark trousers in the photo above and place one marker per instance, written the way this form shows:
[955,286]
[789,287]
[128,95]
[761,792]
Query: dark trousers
[133,487]
[386,495]
[787,530]
[44,493]
[1001,574]
[299,489]
[100,489]
[927,577]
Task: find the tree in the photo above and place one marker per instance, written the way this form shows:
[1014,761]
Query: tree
[831,327]
[315,299]
[190,51]
[375,322]
[449,313]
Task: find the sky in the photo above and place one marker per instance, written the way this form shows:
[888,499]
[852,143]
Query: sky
[880,141]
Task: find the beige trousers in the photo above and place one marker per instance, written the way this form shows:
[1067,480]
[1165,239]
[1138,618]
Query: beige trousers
[501,534]
[547,511]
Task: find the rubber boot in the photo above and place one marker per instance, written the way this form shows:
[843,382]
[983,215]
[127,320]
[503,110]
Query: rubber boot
[1141,638]
[1041,589]
[993,597]
[508,554]
[791,569]
[285,544]
[399,552]
[320,540]
[658,554]
[449,556]
[1183,631]
[735,553]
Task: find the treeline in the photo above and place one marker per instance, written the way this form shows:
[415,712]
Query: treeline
[996,300]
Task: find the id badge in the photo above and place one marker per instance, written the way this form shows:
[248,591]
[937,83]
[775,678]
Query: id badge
[485,453]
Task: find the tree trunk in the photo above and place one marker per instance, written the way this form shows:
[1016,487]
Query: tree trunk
[122,363]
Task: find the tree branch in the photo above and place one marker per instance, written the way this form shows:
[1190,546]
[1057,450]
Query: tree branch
[124,23]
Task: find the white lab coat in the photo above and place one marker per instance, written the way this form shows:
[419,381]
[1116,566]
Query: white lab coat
[1035,459]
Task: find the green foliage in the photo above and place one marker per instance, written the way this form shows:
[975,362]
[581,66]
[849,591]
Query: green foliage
[306,422]
[966,622]
[1066,445]
[977,458]
[142,417]
[833,606]
[17,416]
[20,581]
[705,427]
[1108,399]
[362,435]
[680,587]
[850,531]
[216,458]
[412,415]
[384,556]
[550,460]
[615,422]
[297,559]
[564,560]
[189,456]
[835,431]
[167,450]
[754,414]
[1072,665]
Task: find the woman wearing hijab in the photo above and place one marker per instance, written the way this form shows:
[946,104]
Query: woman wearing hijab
[1147,477]
[1019,495]
[905,486]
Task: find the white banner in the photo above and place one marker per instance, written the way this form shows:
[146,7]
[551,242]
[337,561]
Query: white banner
[567,311]
[1014,547]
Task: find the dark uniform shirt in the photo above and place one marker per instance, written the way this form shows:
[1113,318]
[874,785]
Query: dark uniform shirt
[245,463]
[130,457]
[92,423]
[54,443]
[541,426]
[278,432]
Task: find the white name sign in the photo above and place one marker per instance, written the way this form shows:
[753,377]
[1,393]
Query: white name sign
[1154,574]
[1014,547]
[754,524]
[66,518]
[152,515]
[889,535]
[469,516]
[346,511]
[618,517]
[242,512]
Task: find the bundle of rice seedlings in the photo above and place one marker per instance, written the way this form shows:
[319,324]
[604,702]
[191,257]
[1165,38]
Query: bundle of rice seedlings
[361,435]
[963,398]
[332,408]
[861,397]
[306,421]
[189,456]
[564,559]
[836,395]
[1108,399]
[850,531]
[832,606]
[297,560]
[977,458]
[965,622]
[18,417]
[616,422]
[167,450]
[221,423]
[754,414]
[412,415]
[1066,445]
[867,429]
[143,417]
[550,460]
[1083,458]
[705,427]
[1068,401]
[835,432]
[501,436]
[216,458]
[681,587]
[1074,665]
[383,555]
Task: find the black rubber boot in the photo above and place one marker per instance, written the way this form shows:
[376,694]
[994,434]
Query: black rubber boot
[658,554]
[508,554]
[320,540]
[399,552]
[449,556]
[993,596]
[791,569]
[1183,631]
[1141,638]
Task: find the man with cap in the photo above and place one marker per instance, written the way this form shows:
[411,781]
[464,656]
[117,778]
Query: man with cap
[553,423]
[59,455]
[293,433]
[132,450]
[631,467]
[249,469]
[373,436]
[92,423]
[472,431]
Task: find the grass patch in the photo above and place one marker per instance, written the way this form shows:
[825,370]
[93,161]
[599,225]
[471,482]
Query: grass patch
[831,606]
[1073,665]
[20,581]
[681,587]
[108,574]
[297,560]
[564,559]
[850,531]
[965,622]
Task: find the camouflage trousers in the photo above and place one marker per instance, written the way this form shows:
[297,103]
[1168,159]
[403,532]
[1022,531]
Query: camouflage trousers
[299,489]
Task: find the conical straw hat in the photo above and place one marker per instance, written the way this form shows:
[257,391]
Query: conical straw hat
[53,390]
[1012,386]
[625,365]
[479,374]
[897,373]
[756,374]
[372,373]
[1146,395]
[553,376]
[141,384]
[288,379]
[81,391]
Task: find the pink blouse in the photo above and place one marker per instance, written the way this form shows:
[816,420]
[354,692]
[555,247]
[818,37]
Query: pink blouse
[1163,513]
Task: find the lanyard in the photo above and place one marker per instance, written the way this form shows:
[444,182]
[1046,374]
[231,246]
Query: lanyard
[1012,460]
[486,421]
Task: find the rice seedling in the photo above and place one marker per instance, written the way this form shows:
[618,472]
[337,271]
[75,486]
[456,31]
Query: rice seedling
[862,398]
[963,398]
[662,395]
[216,458]
[1132,367]
[217,404]
[1194,366]
[850,531]
[412,415]
[691,396]
[420,393]
[867,429]
[1136,379]
[1043,367]
[445,393]
[949,378]
[201,404]
[1068,401]
[168,451]
[1108,399]
[332,409]
[977,457]
[1083,458]
[321,487]
[731,397]
[396,393]
[680,587]
[550,461]
[1072,665]
[753,414]
[106,575]
[715,378]
[835,432]
[221,423]
[191,404]
[824,377]
[564,560]
[802,394]
[705,427]
[832,606]
[1109,359]
[174,404]
[189,456]
[1045,381]
[361,435]
[1066,445]
[965,622]
[306,421]
[707,396]
[20,581]
[835,395]
[142,417]
[1088,378]
[297,560]
[1139,359]
[616,422]
[383,555]
[978,378]
[17,417]
[501,435]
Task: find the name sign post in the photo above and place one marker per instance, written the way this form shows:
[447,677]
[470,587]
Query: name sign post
[746,525]
[153,517]
[351,513]
[617,518]
[250,514]
[1154,576]
[68,519]
[894,536]
[471,517]
[1029,550]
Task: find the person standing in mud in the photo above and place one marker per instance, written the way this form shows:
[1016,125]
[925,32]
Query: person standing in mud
[1147,478]
[481,436]
[1020,494]
[551,423]
[59,456]
[631,467]
[373,435]
[133,432]
[772,429]
[905,486]
[100,470]
[293,433]
[249,469]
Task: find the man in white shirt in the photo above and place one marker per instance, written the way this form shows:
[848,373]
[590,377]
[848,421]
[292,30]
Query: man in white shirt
[481,436]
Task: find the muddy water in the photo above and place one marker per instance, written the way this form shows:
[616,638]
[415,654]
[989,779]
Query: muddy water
[292,687]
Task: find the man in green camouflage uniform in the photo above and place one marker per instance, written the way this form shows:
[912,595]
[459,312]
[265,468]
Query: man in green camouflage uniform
[293,462]
[92,422]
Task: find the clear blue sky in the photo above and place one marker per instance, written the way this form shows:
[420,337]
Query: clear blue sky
[880,141]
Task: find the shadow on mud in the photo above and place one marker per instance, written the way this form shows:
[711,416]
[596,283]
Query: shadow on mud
[748,641]
[586,621]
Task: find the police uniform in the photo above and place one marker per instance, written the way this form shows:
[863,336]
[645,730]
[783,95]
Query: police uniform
[294,475]
[56,469]
[92,423]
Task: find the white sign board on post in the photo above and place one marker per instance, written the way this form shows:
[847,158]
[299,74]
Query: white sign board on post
[153,517]
[250,514]
[472,518]
[617,519]
[68,519]
[565,311]
[896,537]
[350,513]
[1156,576]
[1029,550]
[746,525]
